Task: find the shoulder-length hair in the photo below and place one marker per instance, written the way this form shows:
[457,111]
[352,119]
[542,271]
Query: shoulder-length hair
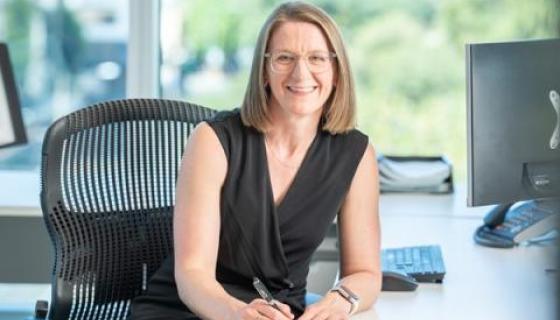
[339,111]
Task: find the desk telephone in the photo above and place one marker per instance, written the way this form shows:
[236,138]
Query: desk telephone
[507,225]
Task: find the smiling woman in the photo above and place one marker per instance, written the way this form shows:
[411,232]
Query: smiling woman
[259,188]
[315,39]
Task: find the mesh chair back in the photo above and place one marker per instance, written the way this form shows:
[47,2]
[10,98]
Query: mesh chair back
[107,195]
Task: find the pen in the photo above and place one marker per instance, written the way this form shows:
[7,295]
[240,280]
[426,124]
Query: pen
[266,295]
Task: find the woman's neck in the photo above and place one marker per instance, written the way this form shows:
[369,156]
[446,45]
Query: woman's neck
[291,136]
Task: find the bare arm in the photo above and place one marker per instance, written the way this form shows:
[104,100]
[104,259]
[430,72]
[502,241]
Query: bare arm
[360,233]
[196,229]
[196,226]
[359,230]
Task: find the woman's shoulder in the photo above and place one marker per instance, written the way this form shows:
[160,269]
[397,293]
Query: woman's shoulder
[229,129]
[225,116]
[227,122]
[351,144]
[349,137]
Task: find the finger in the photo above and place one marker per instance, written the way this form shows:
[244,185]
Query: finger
[285,308]
[310,313]
[323,315]
[270,313]
[252,311]
[258,301]
[252,314]
[339,316]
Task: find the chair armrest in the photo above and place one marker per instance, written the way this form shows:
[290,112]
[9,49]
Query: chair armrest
[41,309]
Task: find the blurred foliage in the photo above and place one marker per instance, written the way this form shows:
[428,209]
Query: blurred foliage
[229,26]
[65,30]
[64,40]
[16,21]
[407,57]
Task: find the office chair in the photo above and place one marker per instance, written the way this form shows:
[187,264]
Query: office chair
[107,195]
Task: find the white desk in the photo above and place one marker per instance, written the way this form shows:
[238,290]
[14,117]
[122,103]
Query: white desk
[480,283]
[417,205]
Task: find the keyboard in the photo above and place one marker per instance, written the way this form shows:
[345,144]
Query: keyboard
[423,263]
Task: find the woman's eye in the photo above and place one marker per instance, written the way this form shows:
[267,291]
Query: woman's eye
[317,59]
[284,58]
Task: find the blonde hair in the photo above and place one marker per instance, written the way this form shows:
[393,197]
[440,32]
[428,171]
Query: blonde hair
[339,112]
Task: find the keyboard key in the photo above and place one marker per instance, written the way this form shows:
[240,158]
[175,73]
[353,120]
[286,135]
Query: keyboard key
[425,263]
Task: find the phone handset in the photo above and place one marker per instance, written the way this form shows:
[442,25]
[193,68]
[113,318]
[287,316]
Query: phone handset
[497,215]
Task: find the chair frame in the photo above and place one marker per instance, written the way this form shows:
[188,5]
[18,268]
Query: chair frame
[107,193]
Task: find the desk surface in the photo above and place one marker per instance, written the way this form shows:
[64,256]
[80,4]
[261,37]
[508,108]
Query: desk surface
[421,204]
[480,283]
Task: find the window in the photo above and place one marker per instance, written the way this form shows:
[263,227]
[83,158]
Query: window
[66,54]
[407,58]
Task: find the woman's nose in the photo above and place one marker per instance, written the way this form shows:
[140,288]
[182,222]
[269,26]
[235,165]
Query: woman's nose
[301,70]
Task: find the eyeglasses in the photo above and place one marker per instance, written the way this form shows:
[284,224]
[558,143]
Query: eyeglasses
[284,61]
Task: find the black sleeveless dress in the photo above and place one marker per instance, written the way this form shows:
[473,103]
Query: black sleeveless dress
[258,238]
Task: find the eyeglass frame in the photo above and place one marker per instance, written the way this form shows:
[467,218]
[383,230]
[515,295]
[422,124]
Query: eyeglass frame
[332,56]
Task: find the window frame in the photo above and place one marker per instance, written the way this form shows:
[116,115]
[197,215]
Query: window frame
[142,81]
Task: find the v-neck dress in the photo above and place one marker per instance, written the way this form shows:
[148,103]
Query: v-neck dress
[258,238]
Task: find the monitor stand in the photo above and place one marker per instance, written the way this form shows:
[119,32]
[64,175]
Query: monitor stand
[505,227]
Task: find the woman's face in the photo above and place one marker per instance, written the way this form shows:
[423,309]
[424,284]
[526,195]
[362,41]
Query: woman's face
[299,91]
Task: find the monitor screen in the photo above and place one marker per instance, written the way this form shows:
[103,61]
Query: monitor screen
[513,120]
[12,131]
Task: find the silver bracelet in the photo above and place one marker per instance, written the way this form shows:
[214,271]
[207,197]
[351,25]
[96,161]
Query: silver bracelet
[348,295]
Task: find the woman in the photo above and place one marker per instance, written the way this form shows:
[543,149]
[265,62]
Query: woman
[260,186]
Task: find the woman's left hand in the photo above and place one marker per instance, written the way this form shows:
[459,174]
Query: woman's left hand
[331,307]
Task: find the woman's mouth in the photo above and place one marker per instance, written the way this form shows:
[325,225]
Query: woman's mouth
[301,89]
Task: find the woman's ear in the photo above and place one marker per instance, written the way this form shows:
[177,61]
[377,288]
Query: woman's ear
[264,79]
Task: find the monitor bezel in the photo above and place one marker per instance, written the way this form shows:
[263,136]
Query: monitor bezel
[12,97]
[474,197]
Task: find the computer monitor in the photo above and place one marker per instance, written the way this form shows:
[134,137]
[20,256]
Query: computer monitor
[12,131]
[513,120]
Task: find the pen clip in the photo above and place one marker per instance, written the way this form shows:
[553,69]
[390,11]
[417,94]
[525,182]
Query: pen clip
[262,290]
[266,295]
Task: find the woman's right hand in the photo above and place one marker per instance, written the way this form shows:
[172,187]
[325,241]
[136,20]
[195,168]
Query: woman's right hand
[259,309]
